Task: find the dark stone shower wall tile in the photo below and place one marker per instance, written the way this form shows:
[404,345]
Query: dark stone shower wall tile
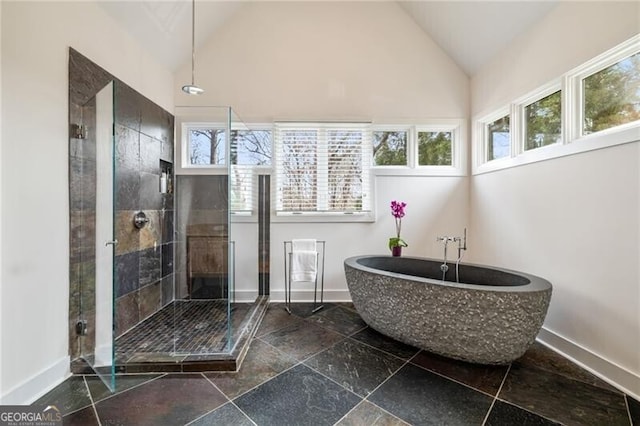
[127,235]
[88,341]
[127,314]
[88,284]
[150,151]
[127,106]
[156,122]
[167,259]
[167,226]
[127,189]
[150,265]
[85,78]
[150,235]
[127,148]
[75,272]
[74,339]
[150,195]
[167,289]
[82,184]
[150,300]
[127,271]
[82,235]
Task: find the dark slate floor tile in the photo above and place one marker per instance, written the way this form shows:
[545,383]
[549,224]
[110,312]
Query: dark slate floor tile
[299,396]
[504,414]
[486,378]
[347,305]
[228,414]
[275,319]
[368,414]
[540,356]
[357,367]
[305,310]
[69,396]
[99,390]
[634,410]
[262,363]
[420,397]
[301,340]
[561,399]
[84,417]
[173,399]
[341,320]
[384,343]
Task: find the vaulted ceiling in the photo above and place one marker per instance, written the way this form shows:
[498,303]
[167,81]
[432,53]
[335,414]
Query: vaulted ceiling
[471,32]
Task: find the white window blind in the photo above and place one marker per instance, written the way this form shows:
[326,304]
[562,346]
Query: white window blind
[323,168]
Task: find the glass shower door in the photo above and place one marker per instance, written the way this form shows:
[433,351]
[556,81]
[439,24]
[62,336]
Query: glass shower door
[97,282]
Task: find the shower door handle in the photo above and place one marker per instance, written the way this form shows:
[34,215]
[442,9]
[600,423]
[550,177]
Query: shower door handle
[111,243]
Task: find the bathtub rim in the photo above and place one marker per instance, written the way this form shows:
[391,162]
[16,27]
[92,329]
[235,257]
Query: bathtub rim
[535,284]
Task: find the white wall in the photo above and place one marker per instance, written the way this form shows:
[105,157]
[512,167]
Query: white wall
[1,215]
[572,220]
[331,60]
[34,175]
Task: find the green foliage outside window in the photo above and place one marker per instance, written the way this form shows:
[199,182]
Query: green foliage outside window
[544,122]
[390,148]
[612,96]
[434,148]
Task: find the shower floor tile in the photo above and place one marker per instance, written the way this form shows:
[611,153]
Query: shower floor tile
[180,328]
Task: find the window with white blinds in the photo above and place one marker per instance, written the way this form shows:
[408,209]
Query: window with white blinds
[322,168]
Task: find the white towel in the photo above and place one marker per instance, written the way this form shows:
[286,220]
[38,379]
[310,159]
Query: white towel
[304,260]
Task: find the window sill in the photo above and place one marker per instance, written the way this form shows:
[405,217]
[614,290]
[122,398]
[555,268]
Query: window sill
[322,217]
[624,134]
[418,171]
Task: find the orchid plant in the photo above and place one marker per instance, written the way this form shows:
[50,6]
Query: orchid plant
[397,211]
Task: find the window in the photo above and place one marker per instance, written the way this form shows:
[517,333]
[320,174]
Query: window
[435,148]
[249,149]
[323,168]
[498,139]
[543,122]
[612,96]
[594,106]
[206,146]
[390,147]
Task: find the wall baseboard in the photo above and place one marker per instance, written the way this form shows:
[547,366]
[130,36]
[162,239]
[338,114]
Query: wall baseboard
[617,376]
[246,296]
[38,385]
[307,296]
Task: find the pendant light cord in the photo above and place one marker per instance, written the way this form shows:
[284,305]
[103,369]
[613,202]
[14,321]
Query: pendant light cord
[193,42]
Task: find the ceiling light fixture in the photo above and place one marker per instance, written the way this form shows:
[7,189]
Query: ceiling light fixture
[192,89]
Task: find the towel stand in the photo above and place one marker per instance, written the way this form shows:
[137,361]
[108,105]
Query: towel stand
[288,251]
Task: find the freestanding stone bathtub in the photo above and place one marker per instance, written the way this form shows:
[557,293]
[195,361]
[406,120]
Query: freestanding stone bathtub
[491,317]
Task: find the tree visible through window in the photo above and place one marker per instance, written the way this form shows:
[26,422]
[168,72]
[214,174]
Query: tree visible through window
[390,148]
[498,139]
[434,148]
[322,169]
[543,122]
[612,96]
[206,146]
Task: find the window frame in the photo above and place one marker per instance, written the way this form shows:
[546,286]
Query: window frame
[458,127]
[392,128]
[573,140]
[185,168]
[318,215]
[520,124]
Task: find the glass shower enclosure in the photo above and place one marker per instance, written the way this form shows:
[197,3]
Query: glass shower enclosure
[163,233]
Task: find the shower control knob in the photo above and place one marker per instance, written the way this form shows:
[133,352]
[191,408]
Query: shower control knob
[140,220]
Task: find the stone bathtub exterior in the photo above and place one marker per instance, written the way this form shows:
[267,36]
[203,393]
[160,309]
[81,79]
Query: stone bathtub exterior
[492,318]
